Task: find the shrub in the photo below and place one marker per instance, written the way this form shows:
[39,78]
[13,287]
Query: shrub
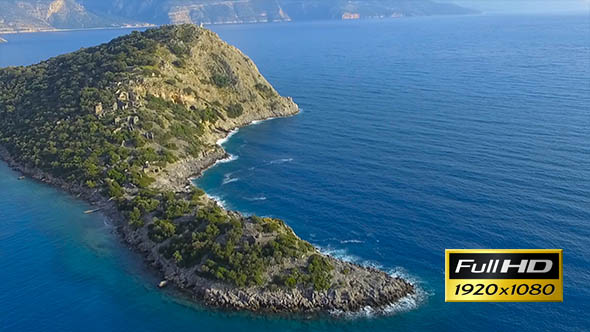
[146,204]
[234,110]
[135,218]
[319,269]
[177,257]
[161,229]
[264,89]
[115,189]
[221,80]
[175,208]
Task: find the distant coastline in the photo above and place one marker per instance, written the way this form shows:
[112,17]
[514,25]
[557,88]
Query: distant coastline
[35,30]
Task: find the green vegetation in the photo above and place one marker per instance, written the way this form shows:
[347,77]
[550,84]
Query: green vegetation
[319,269]
[161,229]
[219,246]
[78,118]
[59,114]
[235,110]
[316,274]
[264,89]
[221,80]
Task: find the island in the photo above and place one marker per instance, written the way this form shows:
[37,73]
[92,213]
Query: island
[127,124]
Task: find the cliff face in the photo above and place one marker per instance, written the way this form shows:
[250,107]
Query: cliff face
[124,125]
[227,12]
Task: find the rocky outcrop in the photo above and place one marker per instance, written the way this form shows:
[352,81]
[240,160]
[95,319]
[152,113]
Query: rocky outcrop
[362,287]
[359,287]
[220,12]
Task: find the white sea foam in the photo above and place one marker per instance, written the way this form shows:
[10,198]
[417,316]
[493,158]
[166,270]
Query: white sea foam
[405,304]
[222,141]
[281,161]
[227,160]
[351,241]
[219,200]
[228,179]
[344,255]
[255,122]
[257,198]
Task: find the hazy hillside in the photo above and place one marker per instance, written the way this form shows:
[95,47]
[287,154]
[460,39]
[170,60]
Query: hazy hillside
[34,15]
[342,9]
[246,11]
[39,15]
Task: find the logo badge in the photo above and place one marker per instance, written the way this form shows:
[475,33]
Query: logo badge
[504,275]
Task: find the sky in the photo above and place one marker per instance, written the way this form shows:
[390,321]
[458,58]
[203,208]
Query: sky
[526,6]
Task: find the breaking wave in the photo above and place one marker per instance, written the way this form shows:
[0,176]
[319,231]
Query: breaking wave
[219,200]
[228,179]
[281,161]
[257,198]
[255,122]
[222,141]
[227,160]
[344,255]
[351,241]
[404,304]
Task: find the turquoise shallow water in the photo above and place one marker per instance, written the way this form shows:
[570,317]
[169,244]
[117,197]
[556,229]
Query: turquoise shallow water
[416,135]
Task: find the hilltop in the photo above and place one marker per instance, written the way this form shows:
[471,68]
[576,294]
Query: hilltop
[126,124]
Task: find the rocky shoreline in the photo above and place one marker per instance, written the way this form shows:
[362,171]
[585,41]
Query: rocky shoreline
[380,292]
[220,258]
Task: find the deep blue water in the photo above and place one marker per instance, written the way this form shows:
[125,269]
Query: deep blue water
[416,135]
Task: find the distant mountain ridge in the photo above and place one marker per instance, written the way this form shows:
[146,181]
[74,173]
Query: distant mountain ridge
[254,11]
[40,15]
[48,15]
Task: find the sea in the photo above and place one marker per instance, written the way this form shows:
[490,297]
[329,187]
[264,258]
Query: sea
[415,135]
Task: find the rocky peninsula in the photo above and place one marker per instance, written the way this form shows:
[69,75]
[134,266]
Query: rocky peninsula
[126,125]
